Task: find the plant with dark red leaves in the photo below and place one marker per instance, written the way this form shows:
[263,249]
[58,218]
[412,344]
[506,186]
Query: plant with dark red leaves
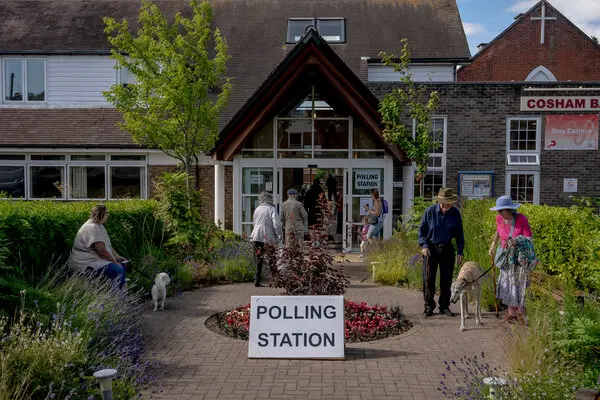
[364,322]
[311,270]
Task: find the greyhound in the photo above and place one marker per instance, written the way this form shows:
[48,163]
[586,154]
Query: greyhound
[468,282]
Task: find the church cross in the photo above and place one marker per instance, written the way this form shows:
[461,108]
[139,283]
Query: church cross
[543,18]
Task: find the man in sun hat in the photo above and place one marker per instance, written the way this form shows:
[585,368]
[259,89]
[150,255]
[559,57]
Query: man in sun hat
[294,218]
[440,224]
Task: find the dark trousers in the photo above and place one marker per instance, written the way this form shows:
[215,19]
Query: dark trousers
[444,258]
[263,253]
[340,222]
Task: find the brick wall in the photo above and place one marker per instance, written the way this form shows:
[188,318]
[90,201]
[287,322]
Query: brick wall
[207,185]
[567,52]
[476,139]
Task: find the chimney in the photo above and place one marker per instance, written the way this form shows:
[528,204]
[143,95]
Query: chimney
[481,46]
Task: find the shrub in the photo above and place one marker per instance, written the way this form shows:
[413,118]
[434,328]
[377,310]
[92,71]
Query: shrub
[232,260]
[181,209]
[41,233]
[313,273]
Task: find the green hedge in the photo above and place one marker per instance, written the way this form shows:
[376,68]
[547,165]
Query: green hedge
[566,240]
[41,233]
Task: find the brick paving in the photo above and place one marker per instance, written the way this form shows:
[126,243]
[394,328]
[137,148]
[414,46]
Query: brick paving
[196,363]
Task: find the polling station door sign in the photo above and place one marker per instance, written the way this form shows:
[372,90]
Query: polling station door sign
[296,327]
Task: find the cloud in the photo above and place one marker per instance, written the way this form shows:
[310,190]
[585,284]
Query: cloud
[474,28]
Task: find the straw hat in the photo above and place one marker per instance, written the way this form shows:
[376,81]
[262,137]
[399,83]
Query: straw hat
[445,196]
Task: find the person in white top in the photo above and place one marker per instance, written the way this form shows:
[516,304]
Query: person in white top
[92,251]
[266,234]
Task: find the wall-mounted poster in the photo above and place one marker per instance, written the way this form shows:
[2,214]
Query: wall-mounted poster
[365,201]
[571,132]
[475,185]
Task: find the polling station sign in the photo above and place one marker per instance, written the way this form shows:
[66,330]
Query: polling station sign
[296,327]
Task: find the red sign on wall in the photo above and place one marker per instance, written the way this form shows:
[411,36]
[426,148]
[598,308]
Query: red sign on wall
[571,132]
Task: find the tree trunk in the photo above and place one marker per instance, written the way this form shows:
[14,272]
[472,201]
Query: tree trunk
[421,187]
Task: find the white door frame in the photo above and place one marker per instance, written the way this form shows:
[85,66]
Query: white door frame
[386,163]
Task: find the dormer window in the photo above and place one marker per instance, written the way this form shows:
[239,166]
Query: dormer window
[333,30]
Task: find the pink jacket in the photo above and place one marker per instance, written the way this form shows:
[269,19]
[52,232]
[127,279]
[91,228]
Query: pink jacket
[521,228]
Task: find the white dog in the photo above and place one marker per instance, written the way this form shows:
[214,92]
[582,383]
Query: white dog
[159,290]
[468,282]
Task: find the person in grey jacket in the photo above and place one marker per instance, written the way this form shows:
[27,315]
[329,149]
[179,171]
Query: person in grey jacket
[265,234]
[294,219]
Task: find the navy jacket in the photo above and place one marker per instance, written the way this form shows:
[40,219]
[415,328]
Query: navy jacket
[437,228]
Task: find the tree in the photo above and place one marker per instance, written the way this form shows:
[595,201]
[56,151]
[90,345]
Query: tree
[595,40]
[170,106]
[409,102]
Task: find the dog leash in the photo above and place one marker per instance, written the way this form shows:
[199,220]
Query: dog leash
[482,275]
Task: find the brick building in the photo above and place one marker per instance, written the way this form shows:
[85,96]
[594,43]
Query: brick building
[541,45]
[307,86]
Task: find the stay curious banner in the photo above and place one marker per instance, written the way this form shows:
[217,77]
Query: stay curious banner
[571,132]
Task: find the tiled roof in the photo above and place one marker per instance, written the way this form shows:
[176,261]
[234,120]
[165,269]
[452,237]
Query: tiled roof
[255,30]
[62,128]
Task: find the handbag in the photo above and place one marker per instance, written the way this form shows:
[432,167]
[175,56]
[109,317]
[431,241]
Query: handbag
[373,219]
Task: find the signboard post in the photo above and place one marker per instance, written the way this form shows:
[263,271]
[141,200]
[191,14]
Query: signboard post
[475,185]
[296,327]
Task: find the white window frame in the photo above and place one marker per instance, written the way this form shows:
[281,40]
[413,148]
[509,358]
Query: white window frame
[536,182]
[67,163]
[24,82]
[441,155]
[538,139]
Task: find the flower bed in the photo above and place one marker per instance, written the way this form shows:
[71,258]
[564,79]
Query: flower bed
[362,322]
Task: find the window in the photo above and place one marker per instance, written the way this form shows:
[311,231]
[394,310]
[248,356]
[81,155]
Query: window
[333,30]
[523,186]
[297,27]
[87,182]
[73,177]
[126,77]
[436,165]
[523,134]
[12,181]
[47,182]
[433,181]
[25,75]
[127,182]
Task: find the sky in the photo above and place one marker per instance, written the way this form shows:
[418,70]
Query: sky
[483,20]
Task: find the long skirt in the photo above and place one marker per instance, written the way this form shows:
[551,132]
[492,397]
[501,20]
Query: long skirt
[512,282]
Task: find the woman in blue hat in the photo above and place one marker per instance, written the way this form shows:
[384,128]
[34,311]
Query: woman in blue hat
[514,256]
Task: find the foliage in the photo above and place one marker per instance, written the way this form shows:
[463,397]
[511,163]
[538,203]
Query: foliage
[48,353]
[420,109]
[312,273]
[29,225]
[180,209]
[170,106]
[362,322]
[236,322]
[232,261]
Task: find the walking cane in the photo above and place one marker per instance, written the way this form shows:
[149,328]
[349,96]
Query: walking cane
[494,279]
[425,279]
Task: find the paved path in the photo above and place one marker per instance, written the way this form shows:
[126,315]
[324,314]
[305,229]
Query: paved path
[199,364]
